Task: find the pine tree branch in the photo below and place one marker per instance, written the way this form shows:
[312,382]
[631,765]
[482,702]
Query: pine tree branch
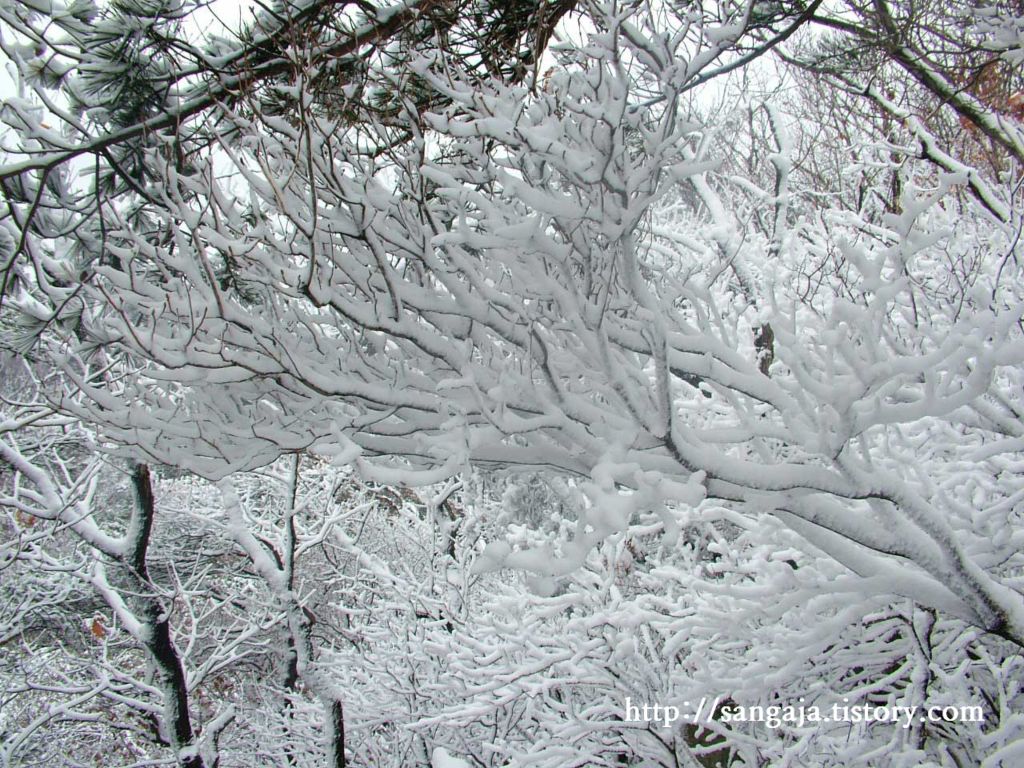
[254,67]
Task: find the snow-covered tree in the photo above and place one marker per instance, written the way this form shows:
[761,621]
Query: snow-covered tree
[748,389]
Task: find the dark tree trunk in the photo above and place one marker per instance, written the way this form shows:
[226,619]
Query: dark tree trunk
[159,645]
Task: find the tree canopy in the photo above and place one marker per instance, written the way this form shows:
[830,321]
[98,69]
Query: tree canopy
[452,372]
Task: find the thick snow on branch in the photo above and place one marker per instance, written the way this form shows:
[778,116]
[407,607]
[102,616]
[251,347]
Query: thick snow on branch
[493,293]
